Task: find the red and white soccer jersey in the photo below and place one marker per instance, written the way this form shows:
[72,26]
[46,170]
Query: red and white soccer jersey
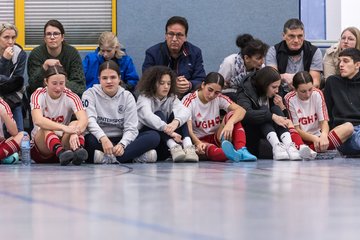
[205,118]
[58,110]
[4,107]
[307,114]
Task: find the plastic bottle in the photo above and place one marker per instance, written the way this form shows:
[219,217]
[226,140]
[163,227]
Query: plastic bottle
[25,150]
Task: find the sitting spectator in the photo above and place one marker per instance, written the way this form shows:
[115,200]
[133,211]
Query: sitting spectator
[110,49]
[10,147]
[113,121]
[55,51]
[350,38]
[184,58]
[294,54]
[308,112]
[12,66]
[56,137]
[236,66]
[206,129]
[264,118]
[159,109]
[343,99]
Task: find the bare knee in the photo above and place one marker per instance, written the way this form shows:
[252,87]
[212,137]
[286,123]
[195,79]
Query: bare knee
[349,128]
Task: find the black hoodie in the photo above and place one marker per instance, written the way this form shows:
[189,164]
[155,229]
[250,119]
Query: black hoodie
[248,98]
[342,96]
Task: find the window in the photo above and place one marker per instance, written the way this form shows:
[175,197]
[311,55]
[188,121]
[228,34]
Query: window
[83,20]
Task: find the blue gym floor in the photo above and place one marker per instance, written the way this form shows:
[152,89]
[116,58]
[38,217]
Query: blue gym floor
[256,200]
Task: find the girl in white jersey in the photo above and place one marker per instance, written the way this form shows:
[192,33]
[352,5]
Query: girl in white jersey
[307,110]
[206,128]
[56,137]
[159,109]
[8,147]
[113,121]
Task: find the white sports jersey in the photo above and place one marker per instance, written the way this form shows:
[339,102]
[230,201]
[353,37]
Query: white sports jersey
[307,114]
[205,118]
[4,107]
[58,110]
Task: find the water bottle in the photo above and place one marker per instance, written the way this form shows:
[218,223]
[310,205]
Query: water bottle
[25,150]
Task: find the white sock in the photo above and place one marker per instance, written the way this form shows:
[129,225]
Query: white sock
[286,138]
[171,143]
[272,138]
[186,142]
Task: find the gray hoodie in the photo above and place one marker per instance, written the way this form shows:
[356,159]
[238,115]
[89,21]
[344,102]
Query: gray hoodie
[111,116]
[146,108]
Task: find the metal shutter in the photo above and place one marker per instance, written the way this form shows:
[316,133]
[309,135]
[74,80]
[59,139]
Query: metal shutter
[83,20]
[7,11]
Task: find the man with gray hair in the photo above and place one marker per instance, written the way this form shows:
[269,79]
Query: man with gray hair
[295,54]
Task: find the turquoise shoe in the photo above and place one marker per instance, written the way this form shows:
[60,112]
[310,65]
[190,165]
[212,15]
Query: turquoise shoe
[12,159]
[230,151]
[246,155]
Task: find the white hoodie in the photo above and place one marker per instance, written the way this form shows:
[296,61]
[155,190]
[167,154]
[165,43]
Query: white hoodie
[147,106]
[111,116]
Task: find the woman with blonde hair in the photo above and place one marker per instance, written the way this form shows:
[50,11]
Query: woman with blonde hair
[110,49]
[350,38]
[12,67]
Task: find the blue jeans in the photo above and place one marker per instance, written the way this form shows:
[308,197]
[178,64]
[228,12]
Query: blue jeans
[352,145]
[144,142]
[18,117]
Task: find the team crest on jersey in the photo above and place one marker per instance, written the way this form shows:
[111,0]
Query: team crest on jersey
[120,108]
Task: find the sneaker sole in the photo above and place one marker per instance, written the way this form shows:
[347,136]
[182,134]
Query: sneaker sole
[66,157]
[80,156]
[230,152]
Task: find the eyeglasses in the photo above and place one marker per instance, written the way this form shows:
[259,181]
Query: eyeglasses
[177,35]
[52,34]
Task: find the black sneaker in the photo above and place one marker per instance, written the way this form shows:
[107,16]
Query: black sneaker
[65,157]
[80,156]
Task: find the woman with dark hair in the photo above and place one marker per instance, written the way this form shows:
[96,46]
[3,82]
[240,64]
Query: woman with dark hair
[56,137]
[308,112]
[113,121]
[236,66]
[55,51]
[264,118]
[159,109]
[205,127]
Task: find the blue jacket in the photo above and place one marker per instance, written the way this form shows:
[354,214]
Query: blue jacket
[91,64]
[188,64]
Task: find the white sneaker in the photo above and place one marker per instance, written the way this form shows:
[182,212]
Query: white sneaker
[279,152]
[177,153]
[307,153]
[190,154]
[99,158]
[148,157]
[293,152]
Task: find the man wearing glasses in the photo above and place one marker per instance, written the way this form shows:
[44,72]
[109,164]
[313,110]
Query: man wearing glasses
[55,51]
[294,54]
[178,54]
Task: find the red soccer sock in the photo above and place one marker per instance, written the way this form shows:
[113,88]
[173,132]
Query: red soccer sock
[82,140]
[215,153]
[53,143]
[238,134]
[334,140]
[8,147]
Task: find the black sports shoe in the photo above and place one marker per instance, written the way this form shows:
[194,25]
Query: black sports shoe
[80,155]
[65,157]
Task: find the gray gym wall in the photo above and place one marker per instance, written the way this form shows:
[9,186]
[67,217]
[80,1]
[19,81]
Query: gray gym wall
[213,24]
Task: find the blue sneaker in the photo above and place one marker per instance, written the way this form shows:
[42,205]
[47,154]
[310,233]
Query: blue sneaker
[230,151]
[246,155]
[12,159]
